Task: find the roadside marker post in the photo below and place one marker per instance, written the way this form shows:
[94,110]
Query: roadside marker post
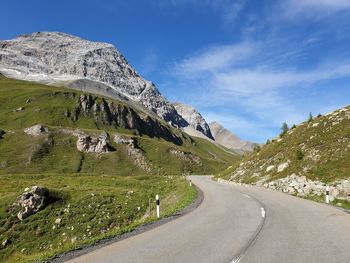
[190,181]
[327,194]
[158,205]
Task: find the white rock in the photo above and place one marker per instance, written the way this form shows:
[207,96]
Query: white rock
[269,168]
[282,167]
[36,130]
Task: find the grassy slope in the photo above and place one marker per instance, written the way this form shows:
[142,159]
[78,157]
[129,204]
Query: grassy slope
[53,161]
[17,148]
[90,207]
[319,150]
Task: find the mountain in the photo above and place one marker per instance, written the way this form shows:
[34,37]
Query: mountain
[302,160]
[59,58]
[83,156]
[194,119]
[230,140]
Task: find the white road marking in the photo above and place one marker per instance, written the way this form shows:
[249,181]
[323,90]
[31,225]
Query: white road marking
[263,212]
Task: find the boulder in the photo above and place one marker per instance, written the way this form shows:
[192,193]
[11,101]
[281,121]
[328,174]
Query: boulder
[32,200]
[36,130]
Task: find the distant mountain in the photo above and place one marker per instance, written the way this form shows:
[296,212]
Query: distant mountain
[229,140]
[194,119]
[59,58]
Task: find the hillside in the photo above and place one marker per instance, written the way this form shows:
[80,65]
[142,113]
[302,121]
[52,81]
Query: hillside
[101,160]
[302,160]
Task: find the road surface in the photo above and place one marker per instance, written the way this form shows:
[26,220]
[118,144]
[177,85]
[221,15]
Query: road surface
[239,224]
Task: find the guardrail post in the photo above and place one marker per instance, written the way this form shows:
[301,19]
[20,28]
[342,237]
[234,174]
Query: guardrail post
[327,194]
[158,206]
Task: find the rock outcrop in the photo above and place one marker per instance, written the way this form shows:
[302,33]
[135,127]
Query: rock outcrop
[36,130]
[91,144]
[51,57]
[32,200]
[194,118]
[230,140]
[109,113]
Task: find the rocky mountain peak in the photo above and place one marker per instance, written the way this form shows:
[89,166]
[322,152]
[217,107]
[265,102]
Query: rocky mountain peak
[228,139]
[54,56]
[194,118]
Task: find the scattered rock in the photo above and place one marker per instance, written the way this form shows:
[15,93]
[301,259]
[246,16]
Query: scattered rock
[28,101]
[2,133]
[3,164]
[282,167]
[32,200]
[269,168]
[186,156]
[58,221]
[19,109]
[4,243]
[134,152]
[303,187]
[36,130]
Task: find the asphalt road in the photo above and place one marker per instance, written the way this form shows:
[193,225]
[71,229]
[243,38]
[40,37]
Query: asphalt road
[240,224]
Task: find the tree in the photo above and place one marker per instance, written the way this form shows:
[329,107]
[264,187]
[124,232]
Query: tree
[257,148]
[310,117]
[268,141]
[284,128]
[294,126]
[299,155]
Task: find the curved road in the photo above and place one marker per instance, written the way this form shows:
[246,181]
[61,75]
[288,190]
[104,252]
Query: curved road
[240,224]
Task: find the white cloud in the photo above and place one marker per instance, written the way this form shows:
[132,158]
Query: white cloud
[215,58]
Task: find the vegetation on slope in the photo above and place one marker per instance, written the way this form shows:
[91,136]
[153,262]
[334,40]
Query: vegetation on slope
[318,149]
[95,195]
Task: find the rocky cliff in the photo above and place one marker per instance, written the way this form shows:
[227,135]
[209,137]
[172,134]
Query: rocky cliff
[228,139]
[51,57]
[194,118]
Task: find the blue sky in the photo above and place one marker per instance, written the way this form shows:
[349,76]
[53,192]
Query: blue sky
[249,64]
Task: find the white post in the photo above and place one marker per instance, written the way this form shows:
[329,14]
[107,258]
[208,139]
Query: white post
[158,204]
[190,181]
[327,194]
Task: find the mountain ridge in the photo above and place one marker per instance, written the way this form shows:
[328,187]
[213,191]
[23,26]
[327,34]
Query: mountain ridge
[228,139]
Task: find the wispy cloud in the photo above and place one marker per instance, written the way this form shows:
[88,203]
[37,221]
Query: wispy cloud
[215,58]
[229,9]
[226,76]
[313,8]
